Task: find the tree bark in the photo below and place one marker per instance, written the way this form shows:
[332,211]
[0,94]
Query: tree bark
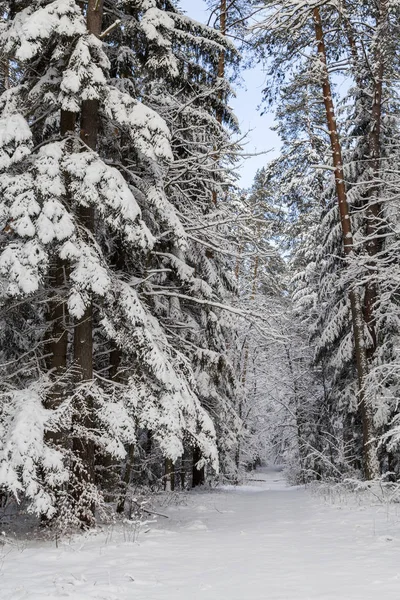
[374,215]
[221,61]
[126,478]
[83,331]
[57,346]
[169,477]
[56,339]
[371,467]
[198,475]
[220,75]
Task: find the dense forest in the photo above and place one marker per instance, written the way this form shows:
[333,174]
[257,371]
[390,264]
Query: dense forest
[160,327]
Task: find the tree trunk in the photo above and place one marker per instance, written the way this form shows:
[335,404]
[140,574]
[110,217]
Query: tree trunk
[57,346]
[57,336]
[221,61]
[371,467]
[198,475]
[221,74]
[374,216]
[83,331]
[169,477]
[56,339]
[127,478]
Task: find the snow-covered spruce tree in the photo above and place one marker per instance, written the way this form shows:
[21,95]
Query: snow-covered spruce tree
[79,254]
[319,297]
[190,267]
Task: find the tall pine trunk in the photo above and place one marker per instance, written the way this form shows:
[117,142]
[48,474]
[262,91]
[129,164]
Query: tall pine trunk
[57,345]
[371,467]
[221,61]
[83,331]
[374,214]
[56,339]
[220,75]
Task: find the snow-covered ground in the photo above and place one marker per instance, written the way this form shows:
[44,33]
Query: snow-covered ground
[262,541]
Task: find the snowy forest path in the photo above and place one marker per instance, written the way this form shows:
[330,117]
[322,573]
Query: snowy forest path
[260,541]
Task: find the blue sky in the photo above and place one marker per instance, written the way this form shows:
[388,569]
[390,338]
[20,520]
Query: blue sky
[260,137]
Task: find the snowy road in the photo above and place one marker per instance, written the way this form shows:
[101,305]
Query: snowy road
[264,541]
